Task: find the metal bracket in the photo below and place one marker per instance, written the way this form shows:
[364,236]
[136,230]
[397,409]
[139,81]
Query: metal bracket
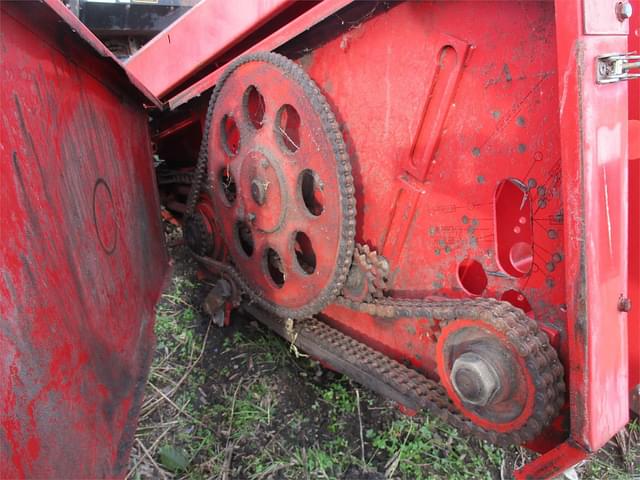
[616,67]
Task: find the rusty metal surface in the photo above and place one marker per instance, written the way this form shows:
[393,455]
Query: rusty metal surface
[368,275]
[282,184]
[82,259]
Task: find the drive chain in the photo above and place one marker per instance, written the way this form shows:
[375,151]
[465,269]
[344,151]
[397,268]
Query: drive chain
[531,344]
[529,341]
[431,396]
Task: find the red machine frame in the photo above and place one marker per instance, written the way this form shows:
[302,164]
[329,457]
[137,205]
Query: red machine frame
[591,127]
[603,354]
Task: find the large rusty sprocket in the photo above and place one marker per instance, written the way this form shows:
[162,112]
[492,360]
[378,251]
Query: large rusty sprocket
[282,184]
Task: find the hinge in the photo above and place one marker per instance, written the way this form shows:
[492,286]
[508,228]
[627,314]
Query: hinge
[616,67]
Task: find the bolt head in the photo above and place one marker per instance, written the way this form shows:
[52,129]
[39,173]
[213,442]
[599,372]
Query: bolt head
[258,191]
[624,304]
[602,69]
[624,10]
[474,379]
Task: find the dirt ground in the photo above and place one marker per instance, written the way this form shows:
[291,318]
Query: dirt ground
[239,403]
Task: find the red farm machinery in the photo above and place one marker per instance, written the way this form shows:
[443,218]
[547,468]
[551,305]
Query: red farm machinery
[439,199]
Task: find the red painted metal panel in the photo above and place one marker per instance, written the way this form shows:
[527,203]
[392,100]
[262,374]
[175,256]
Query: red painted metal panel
[634,213]
[82,261]
[209,29]
[600,18]
[486,114]
[277,39]
[553,463]
[593,128]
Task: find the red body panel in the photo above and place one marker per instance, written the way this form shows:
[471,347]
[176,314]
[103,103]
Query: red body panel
[82,260]
[220,26]
[435,146]
[634,211]
[593,122]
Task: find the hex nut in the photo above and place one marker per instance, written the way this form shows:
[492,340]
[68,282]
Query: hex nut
[474,379]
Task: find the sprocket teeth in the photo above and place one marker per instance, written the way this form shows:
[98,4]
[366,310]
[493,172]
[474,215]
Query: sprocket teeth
[372,265]
[345,255]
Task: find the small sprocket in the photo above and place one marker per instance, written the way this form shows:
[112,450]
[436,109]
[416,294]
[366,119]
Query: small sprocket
[368,275]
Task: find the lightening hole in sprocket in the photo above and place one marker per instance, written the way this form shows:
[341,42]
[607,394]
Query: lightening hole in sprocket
[230,135]
[305,255]
[472,276]
[254,106]
[227,185]
[274,267]
[244,238]
[288,128]
[310,188]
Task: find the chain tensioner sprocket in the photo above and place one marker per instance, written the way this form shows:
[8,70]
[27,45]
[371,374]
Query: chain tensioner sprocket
[282,185]
[488,327]
[368,275]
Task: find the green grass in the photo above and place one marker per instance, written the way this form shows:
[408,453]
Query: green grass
[238,403]
[423,447]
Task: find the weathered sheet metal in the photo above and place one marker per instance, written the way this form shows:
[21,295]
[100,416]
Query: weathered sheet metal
[82,259]
[219,26]
[594,139]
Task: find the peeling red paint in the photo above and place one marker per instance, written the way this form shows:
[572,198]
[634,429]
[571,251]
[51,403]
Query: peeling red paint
[77,321]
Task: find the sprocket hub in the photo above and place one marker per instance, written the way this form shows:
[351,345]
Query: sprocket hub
[282,184]
[501,374]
